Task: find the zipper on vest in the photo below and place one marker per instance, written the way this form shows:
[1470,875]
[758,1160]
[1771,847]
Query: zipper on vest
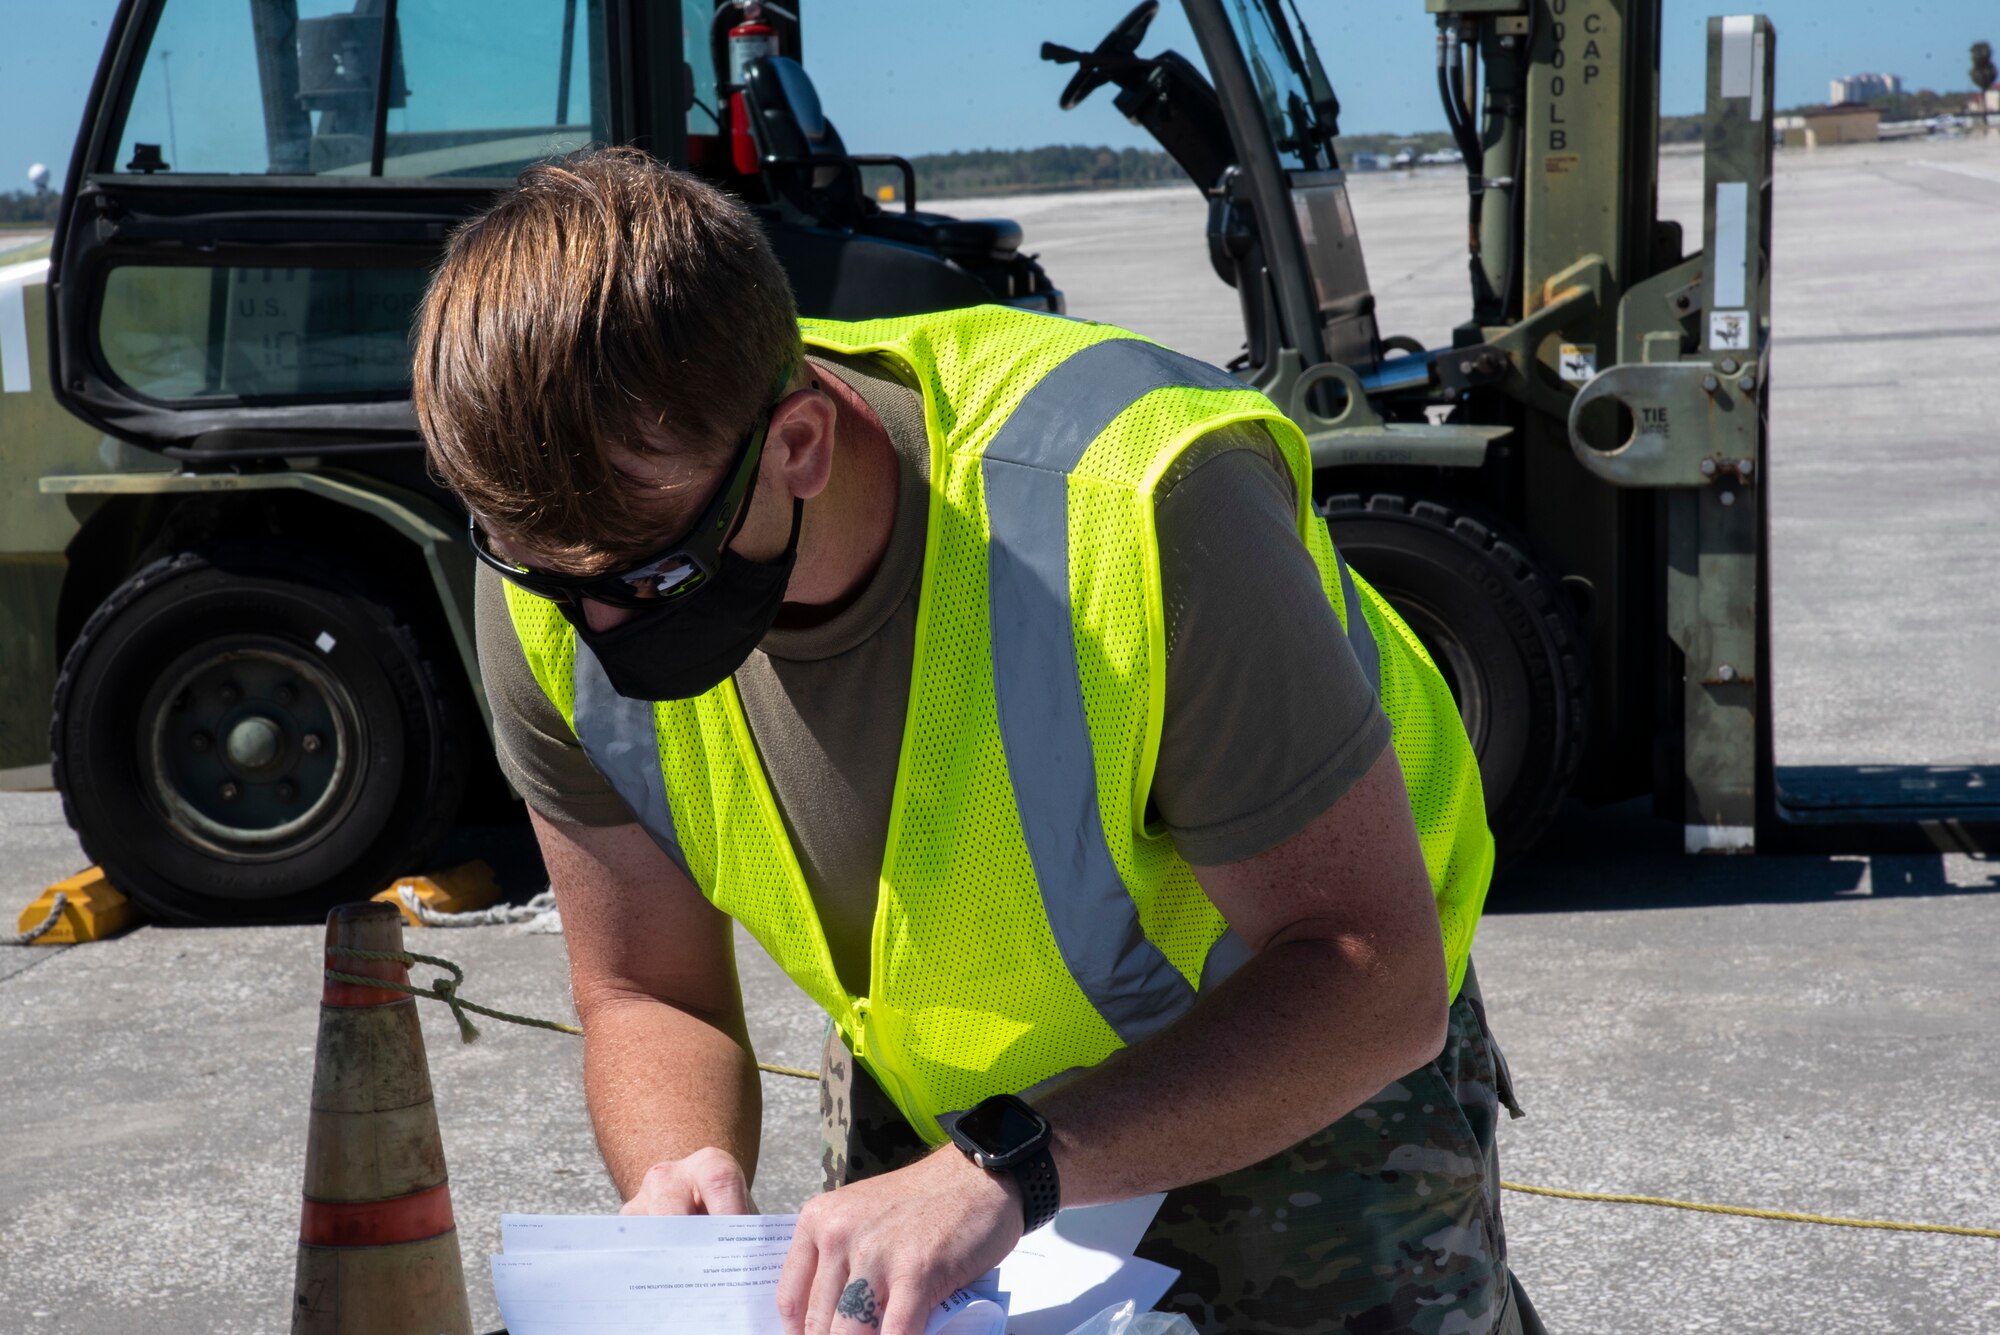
[885,1075]
[858,1035]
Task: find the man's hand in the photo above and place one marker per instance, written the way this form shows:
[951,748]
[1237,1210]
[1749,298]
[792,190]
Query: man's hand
[708,1181]
[873,1257]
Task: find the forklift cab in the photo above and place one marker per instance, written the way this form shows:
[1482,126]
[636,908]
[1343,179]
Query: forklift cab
[1259,141]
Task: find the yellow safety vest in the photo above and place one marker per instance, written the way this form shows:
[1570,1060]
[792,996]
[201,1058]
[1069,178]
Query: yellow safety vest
[1028,921]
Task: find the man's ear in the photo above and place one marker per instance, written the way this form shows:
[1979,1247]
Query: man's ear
[799,441]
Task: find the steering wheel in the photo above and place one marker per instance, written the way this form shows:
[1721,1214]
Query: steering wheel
[1118,44]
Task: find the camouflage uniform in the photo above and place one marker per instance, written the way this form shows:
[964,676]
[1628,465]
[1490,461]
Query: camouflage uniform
[1386,1221]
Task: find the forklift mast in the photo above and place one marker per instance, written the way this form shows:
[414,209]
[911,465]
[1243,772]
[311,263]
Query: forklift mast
[1686,401]
[1640,376]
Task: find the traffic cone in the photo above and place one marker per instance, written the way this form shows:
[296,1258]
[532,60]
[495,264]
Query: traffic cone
[378,1251]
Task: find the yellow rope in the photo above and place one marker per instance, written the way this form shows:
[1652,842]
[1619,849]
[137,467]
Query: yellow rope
[1748,1212]
[795,1072]
[446,990]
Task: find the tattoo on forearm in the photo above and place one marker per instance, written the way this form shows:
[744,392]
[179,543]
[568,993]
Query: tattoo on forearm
[857,1301]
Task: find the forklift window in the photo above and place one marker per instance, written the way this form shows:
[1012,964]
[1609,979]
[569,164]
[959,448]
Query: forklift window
[475,88]
[176,333]
[1282,90]
[696,15]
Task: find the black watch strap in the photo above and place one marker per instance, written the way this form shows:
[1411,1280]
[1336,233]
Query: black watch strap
[1041,1192]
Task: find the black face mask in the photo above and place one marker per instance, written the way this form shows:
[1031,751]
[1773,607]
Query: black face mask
[690,645]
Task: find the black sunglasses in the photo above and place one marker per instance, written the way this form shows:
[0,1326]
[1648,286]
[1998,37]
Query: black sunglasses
[673,572]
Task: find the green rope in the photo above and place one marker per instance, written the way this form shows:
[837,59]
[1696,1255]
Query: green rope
[446,991]
[441,989]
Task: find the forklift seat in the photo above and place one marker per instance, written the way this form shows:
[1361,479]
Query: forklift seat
[994,238]
[788,123]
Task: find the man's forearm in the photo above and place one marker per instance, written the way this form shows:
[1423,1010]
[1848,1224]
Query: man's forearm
[663,1078]
[1297,1038]
[662,1083]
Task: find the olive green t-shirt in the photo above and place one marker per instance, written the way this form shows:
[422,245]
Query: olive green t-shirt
[1268,718]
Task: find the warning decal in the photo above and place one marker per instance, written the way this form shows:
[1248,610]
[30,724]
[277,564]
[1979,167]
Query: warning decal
[1729,331]
[1579,362]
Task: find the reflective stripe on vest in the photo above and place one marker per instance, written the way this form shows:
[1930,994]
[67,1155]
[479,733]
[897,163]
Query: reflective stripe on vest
[1036,683]
[1035,679]
[617,735]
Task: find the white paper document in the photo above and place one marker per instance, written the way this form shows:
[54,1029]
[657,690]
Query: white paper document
[639,1275]
[1080,1263]
[647,1292]
[1117,1227]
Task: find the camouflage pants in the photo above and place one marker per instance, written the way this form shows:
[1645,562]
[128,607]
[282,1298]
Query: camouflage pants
[1386,1221]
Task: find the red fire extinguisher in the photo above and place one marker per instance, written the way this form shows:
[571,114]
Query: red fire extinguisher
[748,41]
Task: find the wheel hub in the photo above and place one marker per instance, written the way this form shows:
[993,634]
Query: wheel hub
[255,743]
[251,747]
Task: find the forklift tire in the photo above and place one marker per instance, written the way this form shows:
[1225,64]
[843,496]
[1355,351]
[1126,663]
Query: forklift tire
[239,738]
[1503,633]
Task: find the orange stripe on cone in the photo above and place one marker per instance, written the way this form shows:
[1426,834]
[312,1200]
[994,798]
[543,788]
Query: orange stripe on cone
[411,1218]
[355,994]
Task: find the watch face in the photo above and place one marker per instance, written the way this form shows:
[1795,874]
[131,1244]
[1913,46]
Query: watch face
[1001,1130]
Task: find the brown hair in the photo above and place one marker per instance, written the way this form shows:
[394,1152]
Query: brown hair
[605,301]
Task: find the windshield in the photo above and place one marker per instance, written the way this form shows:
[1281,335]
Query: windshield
[1285,82]
[469,88]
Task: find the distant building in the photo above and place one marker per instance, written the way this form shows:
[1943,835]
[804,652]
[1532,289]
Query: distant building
[1819,127]
[1864,88]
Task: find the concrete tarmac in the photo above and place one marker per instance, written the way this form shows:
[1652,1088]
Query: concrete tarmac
[1818,1034]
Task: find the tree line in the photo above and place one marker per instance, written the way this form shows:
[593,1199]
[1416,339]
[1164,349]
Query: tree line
[1067,167]
[1007,171]
[29,206]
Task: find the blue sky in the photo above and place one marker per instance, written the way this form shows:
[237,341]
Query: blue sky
[914,76]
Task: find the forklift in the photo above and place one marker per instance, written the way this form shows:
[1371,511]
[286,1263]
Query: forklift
[267,698]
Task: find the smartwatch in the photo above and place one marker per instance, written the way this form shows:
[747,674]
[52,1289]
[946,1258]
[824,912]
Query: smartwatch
[1004,1135]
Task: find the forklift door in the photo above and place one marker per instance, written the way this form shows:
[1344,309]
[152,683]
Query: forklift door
[261,187]
[1283,117]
